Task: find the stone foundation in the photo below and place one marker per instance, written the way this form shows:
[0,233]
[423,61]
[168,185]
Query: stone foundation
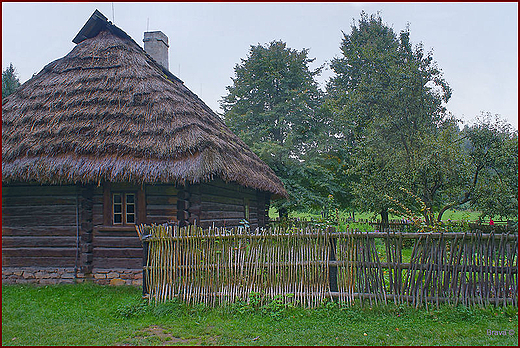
[117,276]
[53,275]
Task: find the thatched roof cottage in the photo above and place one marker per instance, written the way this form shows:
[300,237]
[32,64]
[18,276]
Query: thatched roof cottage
[106,138]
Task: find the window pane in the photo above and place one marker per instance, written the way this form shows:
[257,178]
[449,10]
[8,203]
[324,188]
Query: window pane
[118,218]
[117,198]
[130,198]
[130,209]
[130,218]
[118,208]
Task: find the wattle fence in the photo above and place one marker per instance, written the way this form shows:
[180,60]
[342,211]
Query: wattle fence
[307,265]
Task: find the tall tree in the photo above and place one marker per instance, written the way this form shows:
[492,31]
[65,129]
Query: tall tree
[489,173]
[273,105]
[388,98]
[10,80]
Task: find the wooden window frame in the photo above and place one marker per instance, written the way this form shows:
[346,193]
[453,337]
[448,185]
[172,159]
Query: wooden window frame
[109,190]
[124,205]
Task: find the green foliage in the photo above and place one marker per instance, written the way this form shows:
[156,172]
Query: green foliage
[388,99]
[132,309]
[275,308]
[491,184]
[10,81]
[274,107]
[387,104]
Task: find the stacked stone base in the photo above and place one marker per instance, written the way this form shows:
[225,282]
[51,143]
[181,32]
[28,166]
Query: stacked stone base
[53,275]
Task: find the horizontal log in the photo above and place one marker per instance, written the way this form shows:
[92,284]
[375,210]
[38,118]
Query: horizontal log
[195,208]
[231,186]
[255,234]
[123,186]
[38,261]
[195,199]
[159,210]
[98,198]
[220,215]
[392,297]
[221,199]
[32,210]
[38,231]
[8,201]
[161,200]
[217,206]
[161,219]
[117,253]
[357,235]
[162,190]
[38,241]
[125,263]
[290,264]
[39,252]
[39,220]
[117,242]
[208,190]
[37,190]
[114,231]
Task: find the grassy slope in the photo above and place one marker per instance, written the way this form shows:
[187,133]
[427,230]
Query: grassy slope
[93,315]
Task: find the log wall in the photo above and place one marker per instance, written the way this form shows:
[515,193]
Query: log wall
[69,226]
[40,225]
[224,204]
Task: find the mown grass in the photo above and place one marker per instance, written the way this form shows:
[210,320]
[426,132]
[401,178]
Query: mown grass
[453,215]
[87,314]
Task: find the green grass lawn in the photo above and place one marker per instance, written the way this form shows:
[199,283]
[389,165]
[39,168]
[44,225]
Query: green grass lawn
[86,314]
[454,215]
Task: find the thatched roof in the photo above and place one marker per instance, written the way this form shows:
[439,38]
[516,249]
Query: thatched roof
[108,112]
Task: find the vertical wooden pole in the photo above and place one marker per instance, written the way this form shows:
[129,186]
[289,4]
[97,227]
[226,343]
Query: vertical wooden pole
[145,271]
[333,270]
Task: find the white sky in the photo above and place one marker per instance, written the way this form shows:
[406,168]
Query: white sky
[475,44]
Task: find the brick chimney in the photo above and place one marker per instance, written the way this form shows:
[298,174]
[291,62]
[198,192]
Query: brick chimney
[156,45]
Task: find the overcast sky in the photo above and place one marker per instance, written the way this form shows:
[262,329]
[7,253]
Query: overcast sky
[475,44]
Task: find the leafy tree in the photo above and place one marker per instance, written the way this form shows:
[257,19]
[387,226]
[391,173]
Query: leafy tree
[10,80]
[274,106]
[388,101]
[477,166]
[489,169]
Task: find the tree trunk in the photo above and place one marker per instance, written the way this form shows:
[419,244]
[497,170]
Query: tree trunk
[384,219]
[283,213]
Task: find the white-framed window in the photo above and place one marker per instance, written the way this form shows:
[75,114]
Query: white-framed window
[123,208]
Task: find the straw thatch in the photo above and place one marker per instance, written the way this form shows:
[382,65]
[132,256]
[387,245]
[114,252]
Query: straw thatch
[108,112]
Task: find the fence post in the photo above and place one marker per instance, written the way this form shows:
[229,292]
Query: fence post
[333,269]
[145,271]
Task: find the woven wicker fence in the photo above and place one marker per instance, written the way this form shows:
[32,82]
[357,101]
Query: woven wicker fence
[307,265]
